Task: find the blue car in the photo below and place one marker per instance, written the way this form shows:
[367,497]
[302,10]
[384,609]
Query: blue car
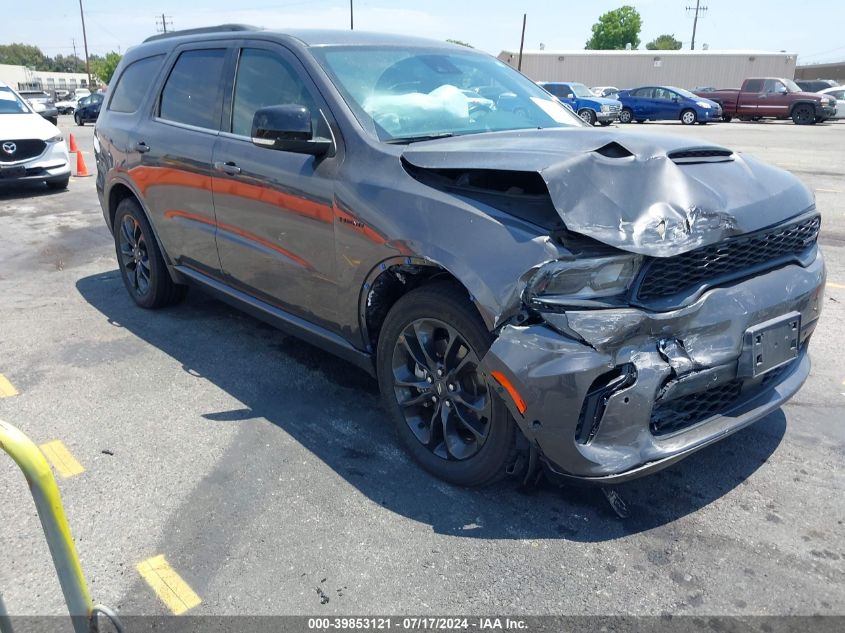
[582,100]
[88,109]
[666,103]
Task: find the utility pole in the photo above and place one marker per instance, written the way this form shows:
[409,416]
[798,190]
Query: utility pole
[521,43]
[85,42]
[697,10]
[351,17]
[162,22]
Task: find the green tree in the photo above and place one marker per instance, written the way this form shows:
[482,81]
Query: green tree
[24,55]
[67,64]
[103,67]
[615,29]
[460,42]
[664,42]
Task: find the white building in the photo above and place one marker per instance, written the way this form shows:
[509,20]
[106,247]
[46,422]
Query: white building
[628,69]
[22,78]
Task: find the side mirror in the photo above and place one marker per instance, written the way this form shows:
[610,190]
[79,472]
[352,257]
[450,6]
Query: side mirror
[287,128]
[570,95]
[676,99]
[781,90]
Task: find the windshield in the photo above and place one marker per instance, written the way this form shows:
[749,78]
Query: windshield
[10,103]
[791,85]
[406,94]
[684,93]
[580,90]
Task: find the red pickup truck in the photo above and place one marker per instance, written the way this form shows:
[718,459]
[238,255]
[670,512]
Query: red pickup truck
[773,97]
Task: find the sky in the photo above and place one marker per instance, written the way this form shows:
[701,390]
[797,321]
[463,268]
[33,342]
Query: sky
[815,32]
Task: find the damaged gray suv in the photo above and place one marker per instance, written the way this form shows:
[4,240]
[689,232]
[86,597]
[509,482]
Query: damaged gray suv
[528,291]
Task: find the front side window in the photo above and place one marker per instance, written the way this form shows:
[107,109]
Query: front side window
[192,92]
[133,84]
[773,85]
[580,90]
[401,94]
[265,79]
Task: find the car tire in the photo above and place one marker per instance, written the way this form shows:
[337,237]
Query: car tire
[78,120]
[588,116]
[604,123]
[54,120]
[727,118]
[429,349]
[142,266]
[59,183]
[803,115]
[626,116]
[689,117]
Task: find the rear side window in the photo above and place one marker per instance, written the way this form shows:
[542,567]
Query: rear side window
[754,85]
[134,83]
[192,93]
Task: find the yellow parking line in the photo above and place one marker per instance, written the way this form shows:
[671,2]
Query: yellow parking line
[168,585]
[61,459]
[833,285]
[7,389]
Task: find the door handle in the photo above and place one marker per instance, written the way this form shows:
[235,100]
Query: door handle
[142,147]
[227,168]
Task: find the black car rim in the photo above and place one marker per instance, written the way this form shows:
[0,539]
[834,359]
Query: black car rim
[441,394]
[133,254]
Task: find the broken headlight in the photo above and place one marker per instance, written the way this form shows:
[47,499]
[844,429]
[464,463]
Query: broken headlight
[592,278]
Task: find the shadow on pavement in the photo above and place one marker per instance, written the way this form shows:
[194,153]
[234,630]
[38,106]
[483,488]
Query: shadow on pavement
[333,410]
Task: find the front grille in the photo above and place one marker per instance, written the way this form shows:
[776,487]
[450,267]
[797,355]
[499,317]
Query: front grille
[24,148]
[675,415]
[615,107]
[730,259]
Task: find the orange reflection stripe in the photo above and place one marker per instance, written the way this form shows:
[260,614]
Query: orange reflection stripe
[252,237]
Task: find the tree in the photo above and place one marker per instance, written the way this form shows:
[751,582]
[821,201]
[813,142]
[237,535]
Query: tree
[24,55]
[664,42]
[103,67]
[615,29]
[460,42]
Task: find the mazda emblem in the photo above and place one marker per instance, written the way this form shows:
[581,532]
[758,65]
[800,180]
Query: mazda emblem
[9,147]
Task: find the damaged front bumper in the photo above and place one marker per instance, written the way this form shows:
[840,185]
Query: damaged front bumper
[629,391]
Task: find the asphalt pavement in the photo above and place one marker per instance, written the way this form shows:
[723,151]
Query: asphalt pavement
[265,471]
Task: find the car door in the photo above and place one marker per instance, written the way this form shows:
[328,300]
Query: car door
[92,110]
[275,208]
[566,95]
[642,103]
[774,100]
[664,107]
[173,151]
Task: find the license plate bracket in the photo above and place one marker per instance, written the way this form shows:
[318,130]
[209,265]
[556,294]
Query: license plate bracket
[770,344]
[18,171]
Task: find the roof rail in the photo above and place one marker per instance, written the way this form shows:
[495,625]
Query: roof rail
[220,28]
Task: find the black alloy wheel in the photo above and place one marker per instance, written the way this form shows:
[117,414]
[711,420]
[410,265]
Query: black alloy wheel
[134,255]
[448,413]
[443,398]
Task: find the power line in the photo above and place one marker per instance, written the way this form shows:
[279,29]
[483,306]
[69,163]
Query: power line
[162,22]
[697,10]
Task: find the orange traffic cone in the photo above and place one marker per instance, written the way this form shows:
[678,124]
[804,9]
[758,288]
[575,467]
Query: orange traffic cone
[81,169]
[73,146]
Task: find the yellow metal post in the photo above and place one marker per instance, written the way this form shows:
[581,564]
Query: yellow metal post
[48,502]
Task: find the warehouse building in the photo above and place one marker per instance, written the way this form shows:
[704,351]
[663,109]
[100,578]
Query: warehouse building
[23,78]
[627,69]
[835,71]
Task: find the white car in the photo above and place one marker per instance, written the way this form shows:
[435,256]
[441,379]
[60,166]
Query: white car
[31,148]
[838,93]
[610,92]
[67,106]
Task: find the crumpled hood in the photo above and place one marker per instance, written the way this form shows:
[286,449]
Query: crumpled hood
[631,194]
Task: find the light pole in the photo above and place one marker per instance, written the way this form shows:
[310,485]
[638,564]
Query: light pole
[85,42]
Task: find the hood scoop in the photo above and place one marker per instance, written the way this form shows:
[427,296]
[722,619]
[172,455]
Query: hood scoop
[694,155]
[613,150]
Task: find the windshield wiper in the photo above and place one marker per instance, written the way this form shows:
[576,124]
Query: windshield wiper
[416,139]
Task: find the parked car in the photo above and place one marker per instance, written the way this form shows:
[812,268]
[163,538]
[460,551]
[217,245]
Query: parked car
[31,148]
[610,92]
[67,106]
[42,103]
[527,291]
[588,106]
[773,97]
[666,103]
[837,93]
[815,85]
[88,109]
